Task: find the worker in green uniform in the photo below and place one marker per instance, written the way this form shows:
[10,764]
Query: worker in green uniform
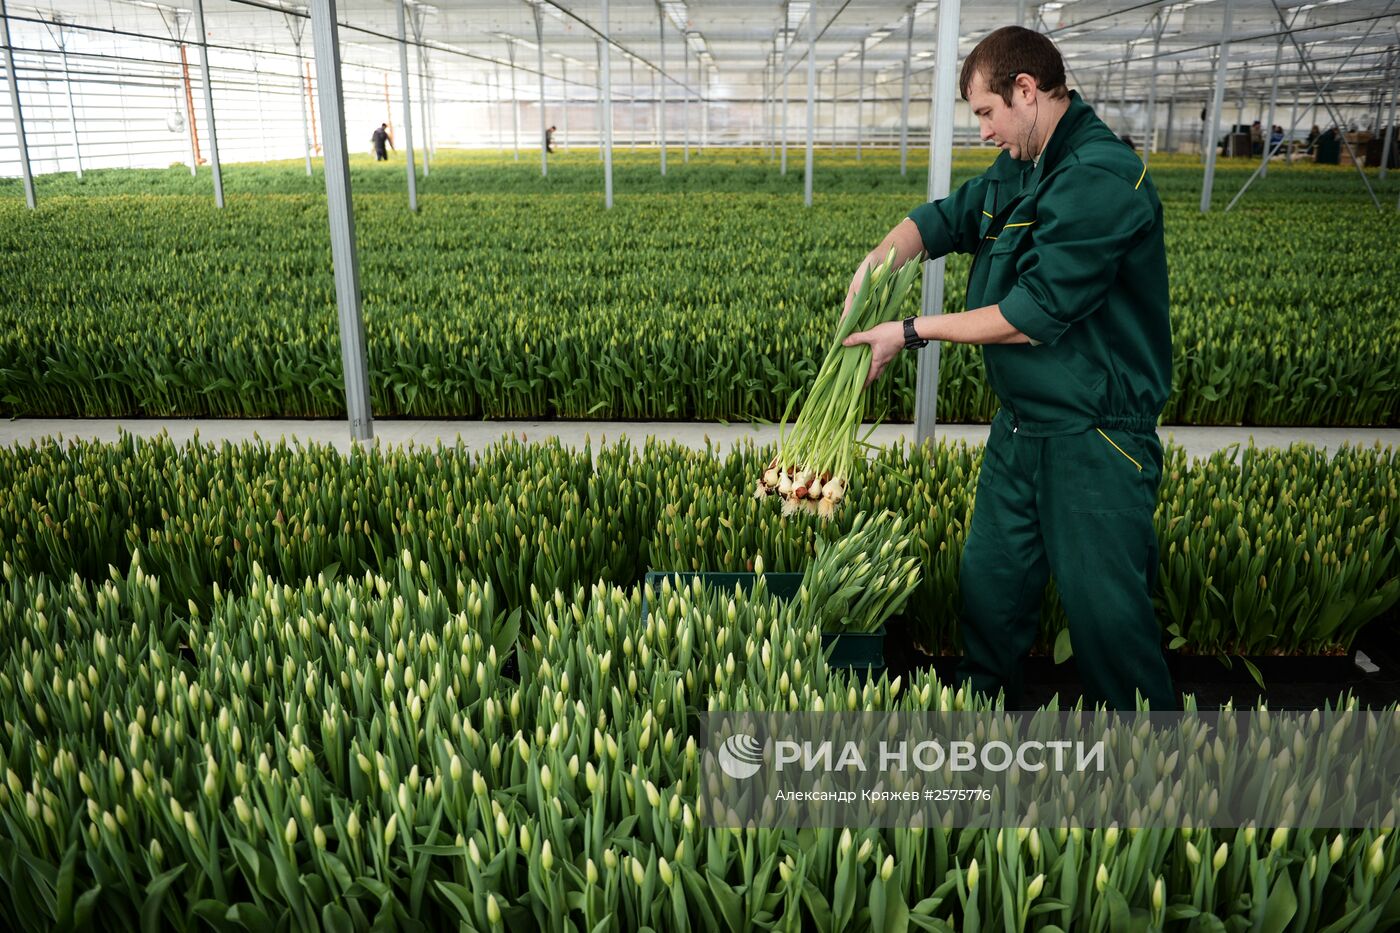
[1068,296]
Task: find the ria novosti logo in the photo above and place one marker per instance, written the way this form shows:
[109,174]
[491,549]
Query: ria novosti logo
[740,756]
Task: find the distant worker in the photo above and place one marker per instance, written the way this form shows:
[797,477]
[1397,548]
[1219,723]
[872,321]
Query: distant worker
[380,138]
[549,140]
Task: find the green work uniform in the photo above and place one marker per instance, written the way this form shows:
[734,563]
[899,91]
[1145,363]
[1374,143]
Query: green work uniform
[1071,248]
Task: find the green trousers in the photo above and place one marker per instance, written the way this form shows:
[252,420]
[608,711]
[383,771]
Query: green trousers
[1078,507]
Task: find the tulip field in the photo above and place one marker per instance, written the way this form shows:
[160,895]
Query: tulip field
[263,687]
[274,687]
[709,294]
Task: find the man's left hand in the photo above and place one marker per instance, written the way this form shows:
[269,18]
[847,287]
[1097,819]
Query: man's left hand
[885,341]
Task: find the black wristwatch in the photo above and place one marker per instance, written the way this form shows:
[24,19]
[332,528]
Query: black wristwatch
[912,340]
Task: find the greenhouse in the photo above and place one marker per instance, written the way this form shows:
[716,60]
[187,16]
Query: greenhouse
[698,465]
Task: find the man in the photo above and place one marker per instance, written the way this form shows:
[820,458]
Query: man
[380,137]
[549,140]
[1068,295]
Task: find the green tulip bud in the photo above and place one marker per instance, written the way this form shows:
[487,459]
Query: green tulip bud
[972,874]
[290,833]
[240,806]
[1037,884]
[1101,878]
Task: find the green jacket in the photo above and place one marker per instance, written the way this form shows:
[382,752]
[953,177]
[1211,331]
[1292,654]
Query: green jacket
[1072,250]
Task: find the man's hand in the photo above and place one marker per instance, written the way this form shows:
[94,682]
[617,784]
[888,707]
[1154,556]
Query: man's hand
[885,341]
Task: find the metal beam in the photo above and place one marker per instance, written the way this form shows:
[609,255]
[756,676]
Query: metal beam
[904,106]
[685,96]
[1213,128]
[860,101]
[782,161]
[16,110]
[514,100]
[209,103]
[1268,133]
[607,110]
[940,175]
[423,100]
[72,110]
[1150,144]
[661,81]
[811,101]
[407,107]
[1390,124]
[326,46]
[544,120]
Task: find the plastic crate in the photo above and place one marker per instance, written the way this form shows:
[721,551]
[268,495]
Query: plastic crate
[843,649]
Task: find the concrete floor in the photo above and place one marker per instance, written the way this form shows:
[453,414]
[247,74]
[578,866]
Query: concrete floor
[1199,442]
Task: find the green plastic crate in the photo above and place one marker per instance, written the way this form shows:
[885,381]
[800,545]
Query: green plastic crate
[843,649]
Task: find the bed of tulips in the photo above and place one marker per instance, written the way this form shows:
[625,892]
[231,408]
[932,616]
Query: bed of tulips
[706,295]
[1288,552]
[346,752]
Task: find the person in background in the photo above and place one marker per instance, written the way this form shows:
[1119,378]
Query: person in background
[380,137]
[549,140]
[1311,142]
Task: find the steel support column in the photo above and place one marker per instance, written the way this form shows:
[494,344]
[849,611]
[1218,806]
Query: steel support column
[860,101]
[73,111]
[782,160]
[1268,128]
[1217,104]
[407,108]
[326,48]
[811,100]
[1150,144]
[685,97]
[16,110]
[1390,124]
[904,106]
[940,175]
[514,100]
[209,102]
[417,23]
[544,119]
[661,82]
[606,49]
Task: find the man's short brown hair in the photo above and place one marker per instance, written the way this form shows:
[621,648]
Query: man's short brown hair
[1012,51]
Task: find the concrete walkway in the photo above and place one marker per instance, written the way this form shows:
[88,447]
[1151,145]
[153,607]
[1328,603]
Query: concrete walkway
[1199,442]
